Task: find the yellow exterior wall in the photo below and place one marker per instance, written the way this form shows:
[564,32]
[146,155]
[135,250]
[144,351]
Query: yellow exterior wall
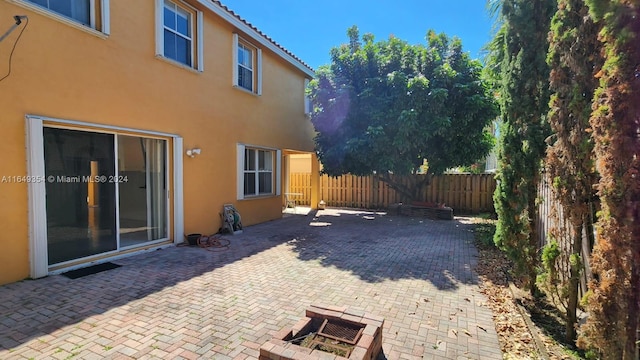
[62,72]
[300,163]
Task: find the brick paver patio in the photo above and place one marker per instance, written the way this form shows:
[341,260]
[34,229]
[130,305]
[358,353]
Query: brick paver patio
[188,302]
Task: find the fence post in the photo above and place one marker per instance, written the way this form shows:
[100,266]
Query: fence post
[374,190]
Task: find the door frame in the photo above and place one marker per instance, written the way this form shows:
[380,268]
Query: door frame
[38,256]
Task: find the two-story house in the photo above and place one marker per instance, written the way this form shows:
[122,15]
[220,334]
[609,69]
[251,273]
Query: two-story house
[127,124]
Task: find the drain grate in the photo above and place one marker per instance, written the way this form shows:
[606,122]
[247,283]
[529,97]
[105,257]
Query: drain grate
[341,331]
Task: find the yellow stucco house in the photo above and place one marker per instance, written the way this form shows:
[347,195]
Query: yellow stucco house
[128,124]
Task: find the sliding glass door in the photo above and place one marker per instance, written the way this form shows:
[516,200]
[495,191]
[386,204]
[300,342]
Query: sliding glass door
[143,197]
[105,192]
[80,213]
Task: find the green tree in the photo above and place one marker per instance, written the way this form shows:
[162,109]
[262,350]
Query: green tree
[383,107]
[519,57]
[573,58]
[614,303]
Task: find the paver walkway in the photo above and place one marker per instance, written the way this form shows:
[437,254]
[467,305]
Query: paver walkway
[188,302]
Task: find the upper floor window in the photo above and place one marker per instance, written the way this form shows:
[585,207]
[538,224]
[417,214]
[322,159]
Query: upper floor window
[245,67]
[92,14]
[247,72]
[179,34]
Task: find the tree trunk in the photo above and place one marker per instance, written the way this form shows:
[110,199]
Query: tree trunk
[574,281]
[412,191]
[632,341]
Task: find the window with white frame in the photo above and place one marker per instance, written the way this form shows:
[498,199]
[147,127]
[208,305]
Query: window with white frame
[90,13]
[247,67]
[179,33]
[259,172]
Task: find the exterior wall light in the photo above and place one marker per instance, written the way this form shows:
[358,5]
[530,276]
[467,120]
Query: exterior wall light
[193,152]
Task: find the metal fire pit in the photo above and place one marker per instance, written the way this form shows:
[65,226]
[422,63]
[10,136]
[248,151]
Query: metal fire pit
[348,334]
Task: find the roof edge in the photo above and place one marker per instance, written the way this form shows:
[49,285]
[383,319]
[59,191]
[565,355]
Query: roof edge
[234,19]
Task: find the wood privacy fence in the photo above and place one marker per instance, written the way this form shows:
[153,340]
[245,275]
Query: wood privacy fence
[465,193]
[552,224]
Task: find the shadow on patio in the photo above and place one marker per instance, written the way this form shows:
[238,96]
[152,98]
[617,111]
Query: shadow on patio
[377,247]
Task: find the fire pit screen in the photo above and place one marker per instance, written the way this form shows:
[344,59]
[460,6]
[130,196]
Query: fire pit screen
[334,336]
[342,331]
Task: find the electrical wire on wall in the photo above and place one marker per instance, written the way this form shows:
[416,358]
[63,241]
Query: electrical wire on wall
[18,19]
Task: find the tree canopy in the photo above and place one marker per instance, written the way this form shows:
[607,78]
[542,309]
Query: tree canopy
[614,302]
[386,106]
[518,58]
[593,76]
[574,59]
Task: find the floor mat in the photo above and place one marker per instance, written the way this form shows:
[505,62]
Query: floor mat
[74,274]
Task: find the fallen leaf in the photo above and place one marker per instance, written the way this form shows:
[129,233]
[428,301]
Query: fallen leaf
[429,325]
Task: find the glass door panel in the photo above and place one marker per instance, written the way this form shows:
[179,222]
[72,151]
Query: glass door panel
[142,190]
[81,212]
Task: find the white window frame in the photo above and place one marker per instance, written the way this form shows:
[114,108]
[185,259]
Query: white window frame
[196,24]
[276,172]
[178,11]
[94,5]
[257,65]
[248,67]
[38,255]
[257,171]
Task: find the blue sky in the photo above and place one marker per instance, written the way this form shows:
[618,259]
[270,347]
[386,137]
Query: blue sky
[310,29]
